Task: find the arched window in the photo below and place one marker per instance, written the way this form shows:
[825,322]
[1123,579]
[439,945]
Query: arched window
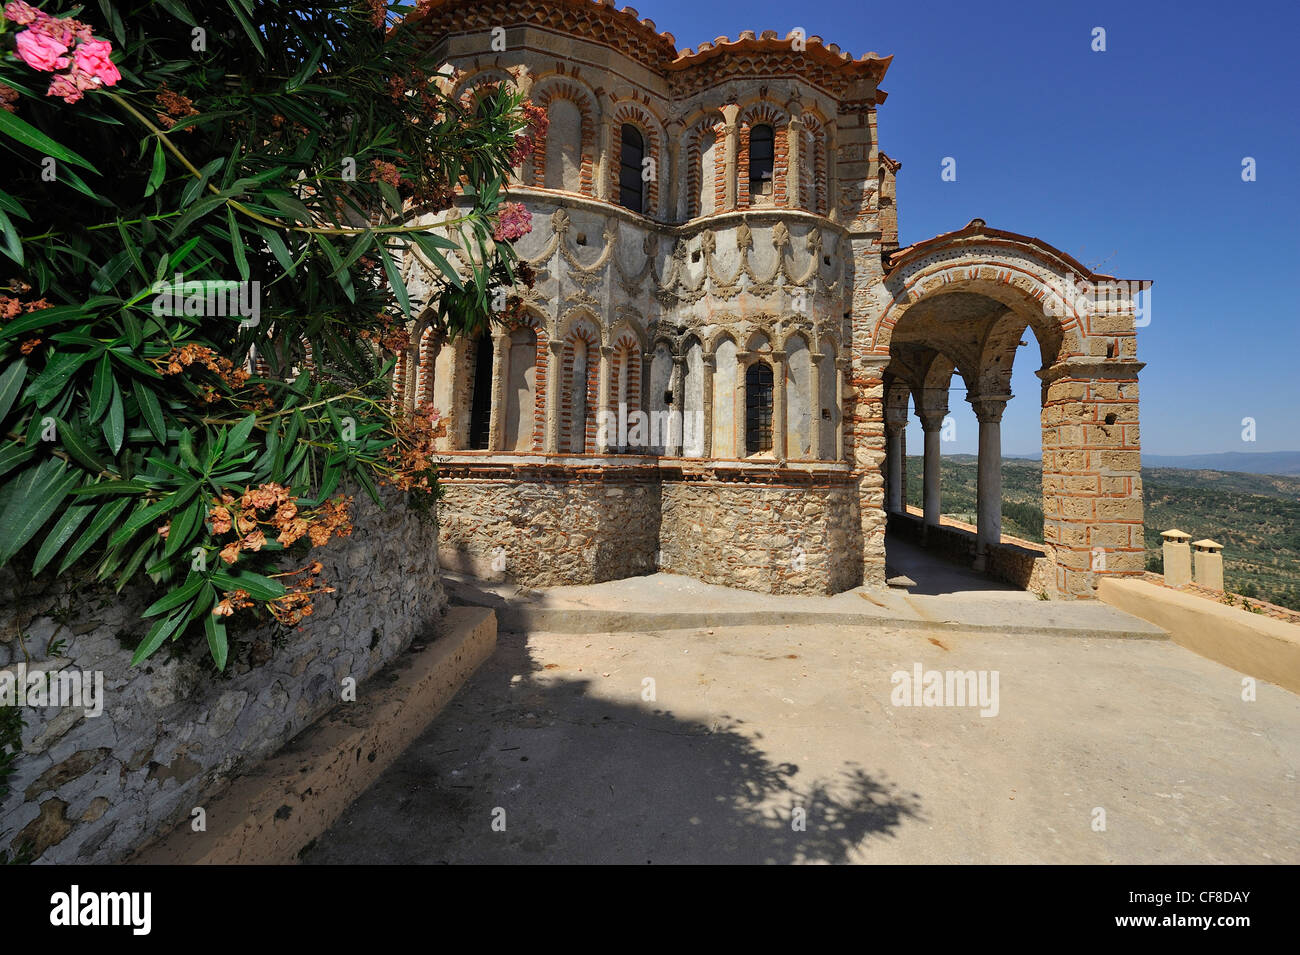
[758,408]
[762,155]
[631,185]
[480,414]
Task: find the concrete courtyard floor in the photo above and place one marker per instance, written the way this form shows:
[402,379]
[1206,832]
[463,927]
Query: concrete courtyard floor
[554,739]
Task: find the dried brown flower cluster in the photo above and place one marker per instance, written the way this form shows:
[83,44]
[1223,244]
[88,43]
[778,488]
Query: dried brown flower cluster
[271,507]
[391,335]
[12,307]
[412,455]
[178,359]
[174,107]
[300,586]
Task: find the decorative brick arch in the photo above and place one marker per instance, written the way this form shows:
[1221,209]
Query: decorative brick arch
[536,321]
[763,114]
[709,125]
[813,187]
[635,114]
[546,92]
[581,327]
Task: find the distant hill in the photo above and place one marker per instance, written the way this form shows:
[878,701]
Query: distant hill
[1256,517]
[1251,462]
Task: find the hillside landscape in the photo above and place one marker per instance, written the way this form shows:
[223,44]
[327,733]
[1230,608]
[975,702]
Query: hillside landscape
[1256,517]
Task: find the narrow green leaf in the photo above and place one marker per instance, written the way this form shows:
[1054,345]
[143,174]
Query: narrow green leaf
[30,136]
[115,423]
[63,530]
[159,170]
[11,383]
[158,633]
[215,628]
[102,521]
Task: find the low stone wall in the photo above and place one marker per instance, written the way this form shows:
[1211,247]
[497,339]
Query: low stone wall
[769,537]
[1019,563]
[544,525]
[548,523]
[174,731]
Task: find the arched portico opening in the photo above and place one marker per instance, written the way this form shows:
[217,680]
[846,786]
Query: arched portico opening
[962,305]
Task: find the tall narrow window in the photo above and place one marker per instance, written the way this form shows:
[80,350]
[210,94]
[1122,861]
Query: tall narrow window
[758,408]
[631,185]
[762,155]
[480,414]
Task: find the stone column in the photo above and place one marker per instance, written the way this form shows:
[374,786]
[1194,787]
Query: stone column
[843,367]
[676,176]
[932,425]
[793,145]
[554,370]
[730,134]
[673,442]
[832,177]
[894,462]
[500,373]
[604,162]
[740,407]
[815,405]
[710,364]
[988,493]
[1176,558]
[603,415]
[778,406]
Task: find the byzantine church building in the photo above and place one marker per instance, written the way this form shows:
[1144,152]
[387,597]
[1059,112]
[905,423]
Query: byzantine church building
[713,373]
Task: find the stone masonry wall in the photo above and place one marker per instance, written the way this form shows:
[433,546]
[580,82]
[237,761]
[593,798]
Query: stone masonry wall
[548,525]
[173,731]
[771,539]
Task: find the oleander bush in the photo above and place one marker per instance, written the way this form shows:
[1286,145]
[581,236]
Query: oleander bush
[202,219]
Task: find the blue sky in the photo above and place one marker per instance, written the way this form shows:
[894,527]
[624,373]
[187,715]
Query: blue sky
[1130,160]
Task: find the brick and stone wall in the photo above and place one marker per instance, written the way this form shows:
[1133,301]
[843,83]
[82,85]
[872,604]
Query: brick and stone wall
[547,524]
[172,731]
[791,539]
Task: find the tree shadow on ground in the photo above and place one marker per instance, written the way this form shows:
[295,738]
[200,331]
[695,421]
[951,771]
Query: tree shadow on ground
[579,778]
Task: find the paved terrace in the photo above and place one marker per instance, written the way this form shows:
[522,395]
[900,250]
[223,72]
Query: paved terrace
[942,596]
[1103,748]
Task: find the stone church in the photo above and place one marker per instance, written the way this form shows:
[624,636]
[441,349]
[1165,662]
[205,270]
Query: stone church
[725,340]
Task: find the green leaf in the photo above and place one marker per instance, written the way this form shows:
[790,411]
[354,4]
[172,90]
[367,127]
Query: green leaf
[149,514]
[237,244]
[151,410]
[57,372]
[42,317]
[105,519]
[215,628]
[13,454]
[30,136]
[37,492]
[240,433]
[63,530]
[278,248]
[257,586]
[158,633]
[13,243]
[175,598]
[395,279]
[101,388]
[11,383]
[75,444]
[159,170]
[115,423]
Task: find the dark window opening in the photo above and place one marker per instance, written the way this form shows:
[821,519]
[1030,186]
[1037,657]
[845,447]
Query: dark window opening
[758,408]
[480,414]
[762,155]
[631,184]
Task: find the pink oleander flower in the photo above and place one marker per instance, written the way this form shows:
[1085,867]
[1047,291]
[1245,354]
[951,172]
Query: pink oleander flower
[41,51]
[513,222]
[22,13]
[91,56]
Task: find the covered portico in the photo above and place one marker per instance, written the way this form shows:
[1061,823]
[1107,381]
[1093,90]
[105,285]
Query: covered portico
[961,305]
